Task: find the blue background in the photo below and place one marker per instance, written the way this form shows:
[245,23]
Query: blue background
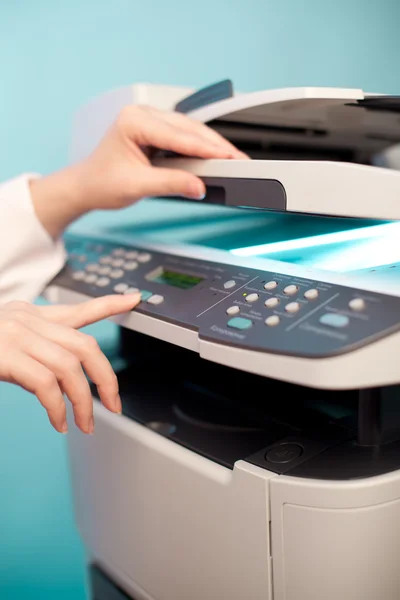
[56,55]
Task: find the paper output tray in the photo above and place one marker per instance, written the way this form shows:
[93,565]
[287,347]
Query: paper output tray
[314,150]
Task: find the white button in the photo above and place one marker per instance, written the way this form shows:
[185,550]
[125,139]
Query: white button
[252,298]
[233,310]
[90,278]
[117,262]
[120,288]
[270,285]
[292,307]
[82,258]
[131,290]
[271,302]
[311,294]
[290,290]
[103,270]
[272,320]
[117,273]
[105,260]
[156,299]
[131,255]
[118,252]
[131,266]
[229,284]
[92,267]
[102,281]
[144,257]
[357,304]
[78,275]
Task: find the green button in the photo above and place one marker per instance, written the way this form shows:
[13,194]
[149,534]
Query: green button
[145,295]
[240,323]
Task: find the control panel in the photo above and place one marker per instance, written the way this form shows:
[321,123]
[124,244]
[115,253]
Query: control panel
[227,304]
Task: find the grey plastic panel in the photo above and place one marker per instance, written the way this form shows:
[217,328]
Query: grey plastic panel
[266,194]
[321,327]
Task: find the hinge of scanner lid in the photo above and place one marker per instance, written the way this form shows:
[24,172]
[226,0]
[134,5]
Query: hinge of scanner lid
[207,95]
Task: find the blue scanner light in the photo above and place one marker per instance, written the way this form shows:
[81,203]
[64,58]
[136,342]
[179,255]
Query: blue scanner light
[376,245]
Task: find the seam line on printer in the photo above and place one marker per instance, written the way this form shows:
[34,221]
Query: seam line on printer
[228,296]
[293,325]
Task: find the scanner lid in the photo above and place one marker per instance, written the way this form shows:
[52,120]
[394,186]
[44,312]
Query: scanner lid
[314,123]
[327,151]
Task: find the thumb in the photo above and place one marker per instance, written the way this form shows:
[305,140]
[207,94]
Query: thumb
[86,313]
[159,181]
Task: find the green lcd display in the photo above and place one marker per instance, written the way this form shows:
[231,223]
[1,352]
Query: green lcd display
[183,281]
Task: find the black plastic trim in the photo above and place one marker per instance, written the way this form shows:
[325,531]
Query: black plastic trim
[265,194]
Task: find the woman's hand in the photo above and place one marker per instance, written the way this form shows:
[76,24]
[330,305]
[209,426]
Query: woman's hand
[119,171]
[41,351]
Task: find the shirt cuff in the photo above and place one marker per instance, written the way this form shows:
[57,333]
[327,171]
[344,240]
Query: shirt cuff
[29,257]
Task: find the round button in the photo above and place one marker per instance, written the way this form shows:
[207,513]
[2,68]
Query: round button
[270,285]
[229,284]
[284,453]
[357,304]
[311,294]
[102,281]
[92,267]
[105,260]
[91,278]
[120,288]
[78,275]
[132,290]
[118,252]
[143,257]
[131,265]
[131,255]
[233,310]
[252,298]
[292,307]
[117,262]
[82,258]
[117,273]
[104,270]
[271,302]
[290,290]
[272,321]
[155,299]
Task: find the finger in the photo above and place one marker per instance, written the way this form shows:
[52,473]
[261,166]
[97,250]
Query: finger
[155,181]
[87,350]
[68,371]
[86,313]
[175,118]
[147,130]
[40,381]
[142,154]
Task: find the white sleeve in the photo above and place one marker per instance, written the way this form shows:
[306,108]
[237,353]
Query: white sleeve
[29,257]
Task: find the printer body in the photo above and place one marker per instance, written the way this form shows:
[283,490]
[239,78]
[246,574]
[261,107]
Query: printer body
[258,453]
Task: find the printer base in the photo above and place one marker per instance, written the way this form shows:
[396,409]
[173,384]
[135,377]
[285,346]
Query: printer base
[195,493]
[164,519]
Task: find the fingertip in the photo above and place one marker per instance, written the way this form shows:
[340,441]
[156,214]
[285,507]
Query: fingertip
[196,189]
[133,298]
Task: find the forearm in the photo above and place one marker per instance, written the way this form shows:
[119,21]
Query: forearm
[57,199]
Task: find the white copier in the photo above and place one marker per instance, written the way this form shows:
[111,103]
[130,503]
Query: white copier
[258,454]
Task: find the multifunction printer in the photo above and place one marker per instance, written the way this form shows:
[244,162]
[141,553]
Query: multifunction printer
[258,453]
